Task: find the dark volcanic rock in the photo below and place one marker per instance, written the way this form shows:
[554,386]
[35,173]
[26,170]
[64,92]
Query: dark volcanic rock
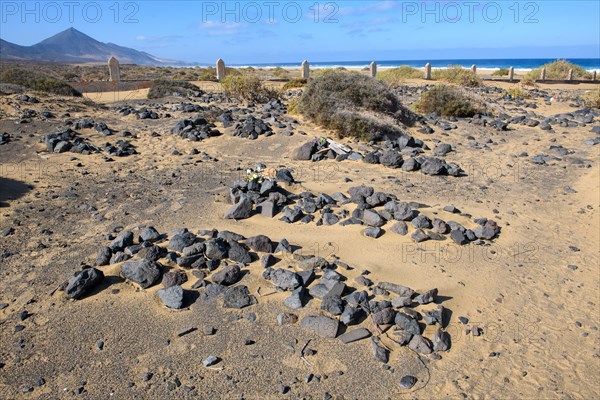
[143,272]
[172,296]
[82,282]
[238,297]
[228,275]
[321,325]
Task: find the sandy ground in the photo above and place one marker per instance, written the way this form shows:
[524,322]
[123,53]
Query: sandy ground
[539,317]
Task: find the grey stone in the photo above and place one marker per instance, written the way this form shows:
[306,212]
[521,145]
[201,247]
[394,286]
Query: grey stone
[441,341]
[260,243]
[400,228]
[143,272]
[354,335]
[173,278]
[391,159]
[314,263]
[123,240]
[82,282]
[267,208]
[373,232]
[372,218]
[240,210]
[332,304]
[180,241]
[103,257]
[297,299]
[401,301]
[380,352]
[210,360]
[458,237]
[172,297]
[407,323]
[398,289]
[229,275]
[239,253]
[384,317]
[285,279]
[216,249]
[419,236]
[321,325]
[149,234]
[238,297]
[351,315]
[427,297]
[408,381]
[420,344]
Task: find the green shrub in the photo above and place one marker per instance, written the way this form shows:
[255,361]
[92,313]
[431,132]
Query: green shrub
[396,76]
[500,72]
[448,101]
[557,70]
[354,105]
[166,87]
[247,87]
[37,81]
[517,93]
[456,75]
[295,83]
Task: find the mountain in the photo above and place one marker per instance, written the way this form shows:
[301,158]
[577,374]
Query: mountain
[74,46]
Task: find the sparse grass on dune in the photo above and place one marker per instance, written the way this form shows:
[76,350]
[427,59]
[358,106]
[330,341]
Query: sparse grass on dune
[37,81]
[557,70]
[456,75]
[353,105]
[448,101]
[397,76]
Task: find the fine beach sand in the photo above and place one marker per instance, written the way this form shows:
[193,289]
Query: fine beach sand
[539,317]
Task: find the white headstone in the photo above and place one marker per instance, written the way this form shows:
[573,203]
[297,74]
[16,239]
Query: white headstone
[428,71]
[373,69]
[220,69]
[305,67]
[570,77]
[511,73]
[474,69]
[543,74]
[113,70]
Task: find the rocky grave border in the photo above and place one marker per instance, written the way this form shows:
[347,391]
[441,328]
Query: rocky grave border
[260,194]
[390,154]
[219,261]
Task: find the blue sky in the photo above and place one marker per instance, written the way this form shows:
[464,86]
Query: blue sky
[289,31]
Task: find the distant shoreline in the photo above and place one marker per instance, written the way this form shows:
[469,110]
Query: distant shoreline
[520,65]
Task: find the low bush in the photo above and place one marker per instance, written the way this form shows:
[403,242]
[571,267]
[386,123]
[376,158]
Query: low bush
[353,105]
[167,87]
[500,72]
[248,87]
[397,76]
[447,100]
[37,81]
[592,98]
[456,75]
[295,83]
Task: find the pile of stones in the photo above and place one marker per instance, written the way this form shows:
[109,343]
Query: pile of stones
[404,152]
[251,128]
[217,260]
[373,210]
[142,113]
[195,130]
[67,140]
[121,148]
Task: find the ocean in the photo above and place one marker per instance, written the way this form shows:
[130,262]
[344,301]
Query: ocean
[519,64]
